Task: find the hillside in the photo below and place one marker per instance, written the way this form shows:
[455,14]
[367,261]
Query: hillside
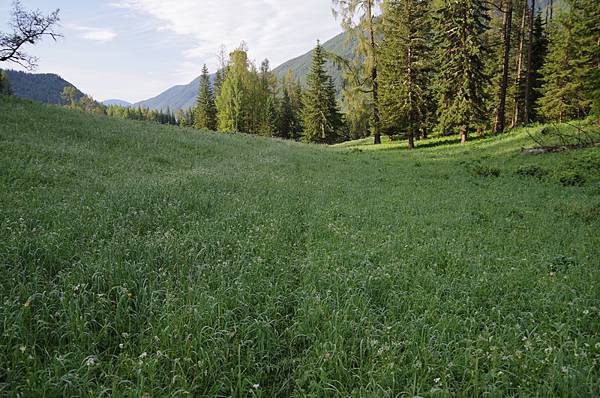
[116,102]
[46,87]
[184,96]
[143,260]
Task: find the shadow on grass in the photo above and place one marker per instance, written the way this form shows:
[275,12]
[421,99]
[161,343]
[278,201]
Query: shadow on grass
[432,143]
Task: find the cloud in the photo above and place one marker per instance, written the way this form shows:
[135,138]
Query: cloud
[102,35]
[273,29]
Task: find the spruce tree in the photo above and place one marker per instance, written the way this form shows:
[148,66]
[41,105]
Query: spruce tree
[405,66]
[461,78]
[539,52]
[507,23]
[206,111]
[320,114]
[567,71]
[587,32]
[286,116]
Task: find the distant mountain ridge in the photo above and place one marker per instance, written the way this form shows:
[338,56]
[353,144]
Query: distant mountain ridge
[184,96]
[117,102]
[43,87]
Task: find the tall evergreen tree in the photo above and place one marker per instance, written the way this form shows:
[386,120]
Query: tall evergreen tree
[499,123]
[286,116]
[322,119]
[461,78]
[206,111]
[405,66]
[539,52]
[527,103]
[568,69]
[587,32]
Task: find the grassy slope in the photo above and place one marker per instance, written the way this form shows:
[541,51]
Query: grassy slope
[142,259]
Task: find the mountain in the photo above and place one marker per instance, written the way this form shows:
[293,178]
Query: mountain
[177,97]
[46,87]
[184,96]
[117,102]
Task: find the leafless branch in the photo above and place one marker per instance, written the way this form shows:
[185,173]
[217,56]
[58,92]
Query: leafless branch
[28,27]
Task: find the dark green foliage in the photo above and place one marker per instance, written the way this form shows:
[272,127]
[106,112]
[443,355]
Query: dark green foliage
[321,116]
[46,88]
[286,116]
[540,50]
[460,26]
[206,112]
[532,171]
[570,73]
[569,177]
[405,68]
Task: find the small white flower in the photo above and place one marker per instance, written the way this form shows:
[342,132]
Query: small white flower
[90,361]
[143,355]
[23,348]
[564,369]
[121,346]
[585,312]
[437,380]
[256,386]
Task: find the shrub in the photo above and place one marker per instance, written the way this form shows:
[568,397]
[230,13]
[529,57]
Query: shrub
[570,178]
[532,171]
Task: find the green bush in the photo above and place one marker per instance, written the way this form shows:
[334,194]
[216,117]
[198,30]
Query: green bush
[570,178]
[532,171]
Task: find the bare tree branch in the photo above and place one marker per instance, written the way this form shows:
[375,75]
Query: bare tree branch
[28,27]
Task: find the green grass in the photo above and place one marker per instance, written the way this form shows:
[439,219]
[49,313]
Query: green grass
[142,260]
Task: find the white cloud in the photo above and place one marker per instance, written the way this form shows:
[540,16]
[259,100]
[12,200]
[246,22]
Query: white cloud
[102,35]
[273,29]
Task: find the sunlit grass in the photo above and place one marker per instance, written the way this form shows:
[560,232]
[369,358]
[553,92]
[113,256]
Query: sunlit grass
[140,259]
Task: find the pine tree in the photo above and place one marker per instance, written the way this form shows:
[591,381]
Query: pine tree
[321,115]
[269,118]
[405,66]
[286,116]
[568,67]
[500,120]
[587,32]
[206,111]
[461,78]
[539,52]
[294,91]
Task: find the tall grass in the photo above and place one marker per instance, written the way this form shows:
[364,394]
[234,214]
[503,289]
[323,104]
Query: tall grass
[143,260]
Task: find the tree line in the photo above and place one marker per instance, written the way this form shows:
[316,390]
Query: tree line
[420,67]
[423,67]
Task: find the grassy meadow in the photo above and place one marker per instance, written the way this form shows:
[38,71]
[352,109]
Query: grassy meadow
[139,260]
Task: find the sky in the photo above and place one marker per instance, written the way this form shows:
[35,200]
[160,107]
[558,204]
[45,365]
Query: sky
[135,49]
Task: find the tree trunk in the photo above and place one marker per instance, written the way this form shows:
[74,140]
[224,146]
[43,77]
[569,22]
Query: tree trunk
[501,111]
[527,111]
[411,141]
[376,117]
[515,119]
[464,135]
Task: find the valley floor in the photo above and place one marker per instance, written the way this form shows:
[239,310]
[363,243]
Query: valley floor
[143,260]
